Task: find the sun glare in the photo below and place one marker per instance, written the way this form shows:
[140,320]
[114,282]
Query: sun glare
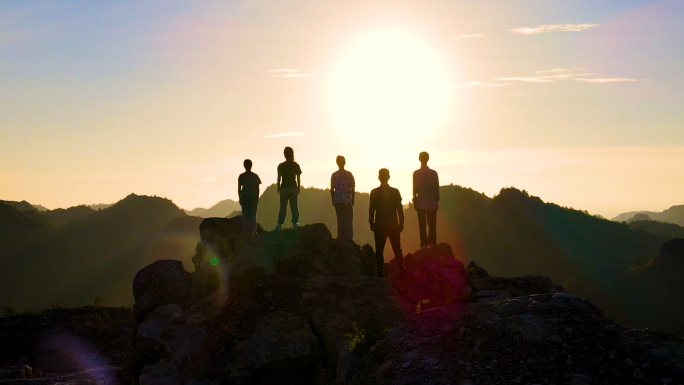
[389,88]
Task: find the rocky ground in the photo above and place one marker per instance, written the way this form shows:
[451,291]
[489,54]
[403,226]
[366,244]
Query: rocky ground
[298,307]
[85,345]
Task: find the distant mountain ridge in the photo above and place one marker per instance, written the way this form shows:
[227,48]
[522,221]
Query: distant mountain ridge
[93,254]
[674,214]
[24,205]
[222,209]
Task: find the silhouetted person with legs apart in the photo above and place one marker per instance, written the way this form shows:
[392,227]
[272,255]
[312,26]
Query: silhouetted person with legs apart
[425,200]
[248,193]
[342,187]
[386,218]
[289,183]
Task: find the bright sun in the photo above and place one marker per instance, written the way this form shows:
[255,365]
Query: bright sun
[389,88]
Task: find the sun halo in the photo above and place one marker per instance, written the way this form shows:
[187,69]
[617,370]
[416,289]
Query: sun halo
[389,88]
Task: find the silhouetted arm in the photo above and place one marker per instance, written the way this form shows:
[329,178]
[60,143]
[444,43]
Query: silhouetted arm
[371,211]
[332,188]
[415,189]
[299,182]
[353,188]
[400,212]
[437,185]
[280,177]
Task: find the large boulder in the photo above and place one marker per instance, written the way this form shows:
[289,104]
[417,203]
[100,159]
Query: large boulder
[434,277]
[220,238]
[514,286]
[282,343]
[158,284]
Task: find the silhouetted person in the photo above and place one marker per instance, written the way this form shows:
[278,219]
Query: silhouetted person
[425,200]
[248,191]
[386,218]
[342,186]
[288,187]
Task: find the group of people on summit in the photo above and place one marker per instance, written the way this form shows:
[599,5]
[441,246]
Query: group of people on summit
[385,212]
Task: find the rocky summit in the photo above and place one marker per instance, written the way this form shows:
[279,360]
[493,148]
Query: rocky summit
[299,307]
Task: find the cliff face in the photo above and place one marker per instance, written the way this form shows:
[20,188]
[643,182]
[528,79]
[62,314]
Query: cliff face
[299,307]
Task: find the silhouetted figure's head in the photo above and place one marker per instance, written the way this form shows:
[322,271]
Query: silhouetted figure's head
[383,175]
[423,157]
[289,153]
[248,164]
[341,162]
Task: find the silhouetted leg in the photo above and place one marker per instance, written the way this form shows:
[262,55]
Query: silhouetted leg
[283,206]
[253,217]
[349,221]
[395,240]
[293,206]
[432,224]
[421,227]
[380,239]
[245,218]
[339,211]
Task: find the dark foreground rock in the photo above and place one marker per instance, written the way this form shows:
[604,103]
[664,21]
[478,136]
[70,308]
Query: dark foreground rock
[85,345]
[534,339]
[299,307]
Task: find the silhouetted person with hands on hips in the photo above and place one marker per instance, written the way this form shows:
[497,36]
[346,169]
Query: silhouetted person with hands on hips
[342,191]
[425,200]
[289,183]
[386,218]
[248,193]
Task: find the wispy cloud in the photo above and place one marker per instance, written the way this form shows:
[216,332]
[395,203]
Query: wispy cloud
[286,73]
[524,79]
[285,76]
[481,84]
[208,179]
[468,36]
[610,80]
[285,134]
[554,28]
[564,74]
[282,70]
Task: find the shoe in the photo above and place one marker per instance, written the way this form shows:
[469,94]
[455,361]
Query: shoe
[279,227]
[423,247]
[295,226]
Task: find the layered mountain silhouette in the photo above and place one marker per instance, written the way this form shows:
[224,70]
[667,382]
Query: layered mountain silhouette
[76,254]
[674,214]
[220,210]
[93,253]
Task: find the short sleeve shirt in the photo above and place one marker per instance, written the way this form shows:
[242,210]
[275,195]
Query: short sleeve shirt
[342,182]
[250,183]
[289,170]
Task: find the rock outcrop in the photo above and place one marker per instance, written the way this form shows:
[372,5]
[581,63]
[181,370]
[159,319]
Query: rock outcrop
[298,307]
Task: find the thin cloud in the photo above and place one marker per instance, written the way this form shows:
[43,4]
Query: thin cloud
[525,79]
[286,76]
[564,74]
[282,70]
[285,134]
[610,80]
[287,73]
[468,36]
[548,28]
[208,179]
[481,84]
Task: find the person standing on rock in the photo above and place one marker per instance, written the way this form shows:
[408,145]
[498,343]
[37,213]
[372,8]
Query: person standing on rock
[425,200]
[289,183]
[342,191]
[386,218]
[248,193]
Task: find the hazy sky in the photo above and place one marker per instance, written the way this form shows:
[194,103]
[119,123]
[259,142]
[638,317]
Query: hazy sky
[578,102]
